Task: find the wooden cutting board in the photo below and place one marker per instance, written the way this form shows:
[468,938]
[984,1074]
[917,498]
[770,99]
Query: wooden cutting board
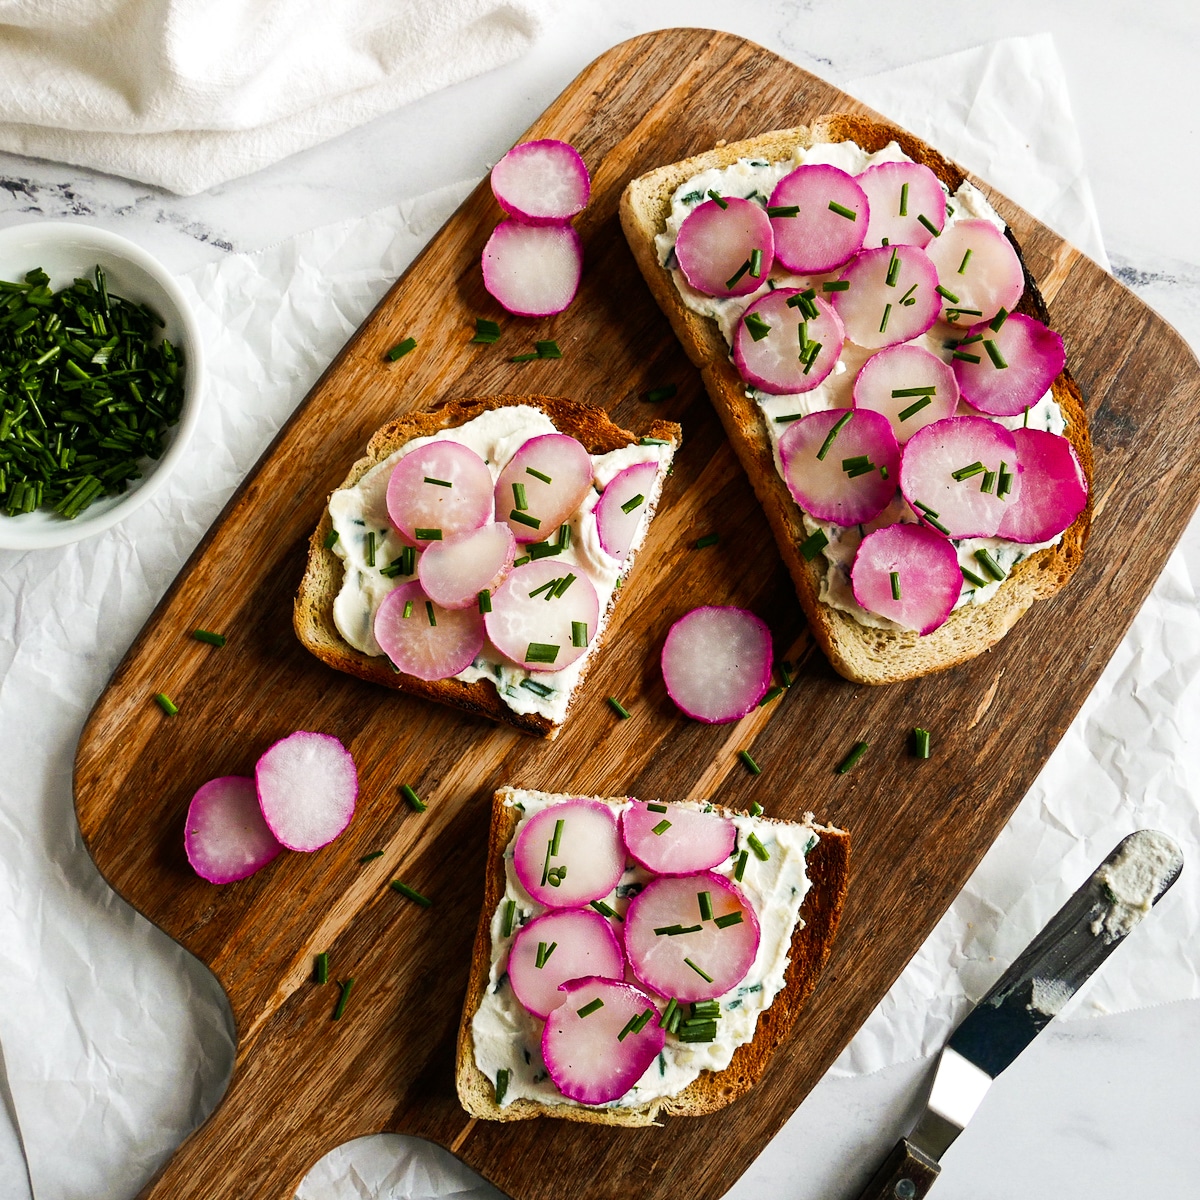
[302,1084]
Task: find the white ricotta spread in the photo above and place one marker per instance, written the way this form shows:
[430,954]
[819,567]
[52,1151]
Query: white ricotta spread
[508,1037]
[1134,879]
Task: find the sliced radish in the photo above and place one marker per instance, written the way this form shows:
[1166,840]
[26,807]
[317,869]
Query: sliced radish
[544,616]
[716,241]
[542,485]
[841,464]
[879,313]
[831,222]
[533,270]
[908,574]
[1054,488]
[569,854]
[716,663]
[908,385]
[307,785]
[780,350]
[455,571]
[541,183]
[225,836]
[980,270]
[672,840]
[675,949]
[900,194]
[981,452]
[1017,364]
[439,490]
[590,1049]
[557,947]
[430,642]
[621,507]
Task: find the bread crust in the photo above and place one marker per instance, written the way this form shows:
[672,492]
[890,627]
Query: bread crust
[312,612]
[828,867]
[859,652]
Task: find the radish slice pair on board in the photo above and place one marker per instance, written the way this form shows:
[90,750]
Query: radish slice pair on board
[716,663]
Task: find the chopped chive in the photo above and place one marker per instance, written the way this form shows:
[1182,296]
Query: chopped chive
[976,468]
[543,954]
[166,704]
[718,199]
[430,613]
[538,689]
[628,1028]
[366,858]
[808,303]
[676,930]
[963,356]
[893,271]
[346,985]
[369,553]
[733,918]
[532,356]
[556,840]
[772,693]
[887,312]
[331,539]
[591,1007]
[813,545]
[486,332]
[831,436]
[659,808]
[541,652]
[400,349]
[698,1031]
[756,326]
[414,801]
[207,636]
[732,281]
[962,266]
[895,577]
[971,577]
[901,393]
[988,482]
[789,417]
[606,910]
[749,762]
[668,1012]
[661,827]
[521,519]
[903,200]
[704,899]
[740,869]
[427,535]
[914,408]
[929,225]
[843,211]
[1025,419]
[408,560]
[321,967]
[931,518]
[438,482]
[952,314]
[538,475]
[756,809]
[967,341]
[633,503]
[908,295]
[989,564]
[941,291]
[851,760]
[997,322]
[579,632]
[858,460]
[785,673]
[921,736]
[548,349]
[783,210]
[519,499]
[1004,482]
[760,851]
[564,540]
[640,1022]
[654,395]
[993,352]
[502,1077]
[810,355]
[699,971]
[509,918]
[564,583]
[709,539]
[618,708]
[545,587]
[411,893]
[836,285]
[756,264]
[408,610]
[539,550]
[649,441]
[485,601]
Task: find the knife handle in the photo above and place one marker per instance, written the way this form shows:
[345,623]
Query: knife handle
[908,1174]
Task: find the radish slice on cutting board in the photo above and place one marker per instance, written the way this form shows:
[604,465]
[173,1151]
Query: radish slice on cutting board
[908,385]
[716,663]
[569,944]
[778,349]
[1053,488]
[533,270]
[590,1051]
[569,854]
[307,785]
[431,642]
[978,267]
[716,241]
[544,616]
[441,488]
[225,836]
[908,574]
[892,296]
[900,194]
[621,507]
[549,475]
[830,225]
[453,572]
[672,840]
[1016,365]
[541,183]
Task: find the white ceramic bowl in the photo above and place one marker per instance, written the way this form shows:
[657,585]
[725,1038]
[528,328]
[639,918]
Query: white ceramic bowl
[66,250]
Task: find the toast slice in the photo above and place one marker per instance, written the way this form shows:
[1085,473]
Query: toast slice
[313,611]
[827,867]
[860,652]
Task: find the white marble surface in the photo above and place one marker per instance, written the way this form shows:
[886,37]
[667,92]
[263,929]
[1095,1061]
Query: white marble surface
[1104,1107]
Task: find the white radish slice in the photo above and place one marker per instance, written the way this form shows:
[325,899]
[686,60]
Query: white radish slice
[585,1053]
[778,349]
[621,507]
[539,626]
[900,194]
[908,574]
[716,241]
[1032,357]
[976,265]
[533,270]
[550,474]
[819,237]
[453,572]
[571,943]
[672,840]
[225,836]
[431,642]
[716,663]
[542,183]
[927,388]
[962,507]
[307,785]
[569,854]
[442,488]
[1054,488]
[877,313]
[723,952]
[838,469]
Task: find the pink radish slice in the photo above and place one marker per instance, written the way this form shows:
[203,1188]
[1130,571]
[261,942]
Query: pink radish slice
[876,313]
[922,566]
[692,840]
[981,284]
[584,854]
[588,1059]
[419,500]
[781,361]
[307,785]
[961,506]
[541,183]
[225,836]
[819,238]
[577,943]
[905,369]
[533,270]
[534,624]
[885,187]
[716,240]
[835,487]
[724,952]
[622,506]
[1054,488]
[434,648]
[716,663]
[550,456]
[1033,356]
[455,571]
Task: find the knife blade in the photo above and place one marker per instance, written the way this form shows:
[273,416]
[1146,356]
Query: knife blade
[1025,999]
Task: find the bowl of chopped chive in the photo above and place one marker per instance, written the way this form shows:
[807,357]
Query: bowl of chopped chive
[100,370]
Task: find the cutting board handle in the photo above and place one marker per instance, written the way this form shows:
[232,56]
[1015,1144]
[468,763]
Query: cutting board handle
[907,1174]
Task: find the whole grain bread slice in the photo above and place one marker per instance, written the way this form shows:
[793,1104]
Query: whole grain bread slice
[859,652]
